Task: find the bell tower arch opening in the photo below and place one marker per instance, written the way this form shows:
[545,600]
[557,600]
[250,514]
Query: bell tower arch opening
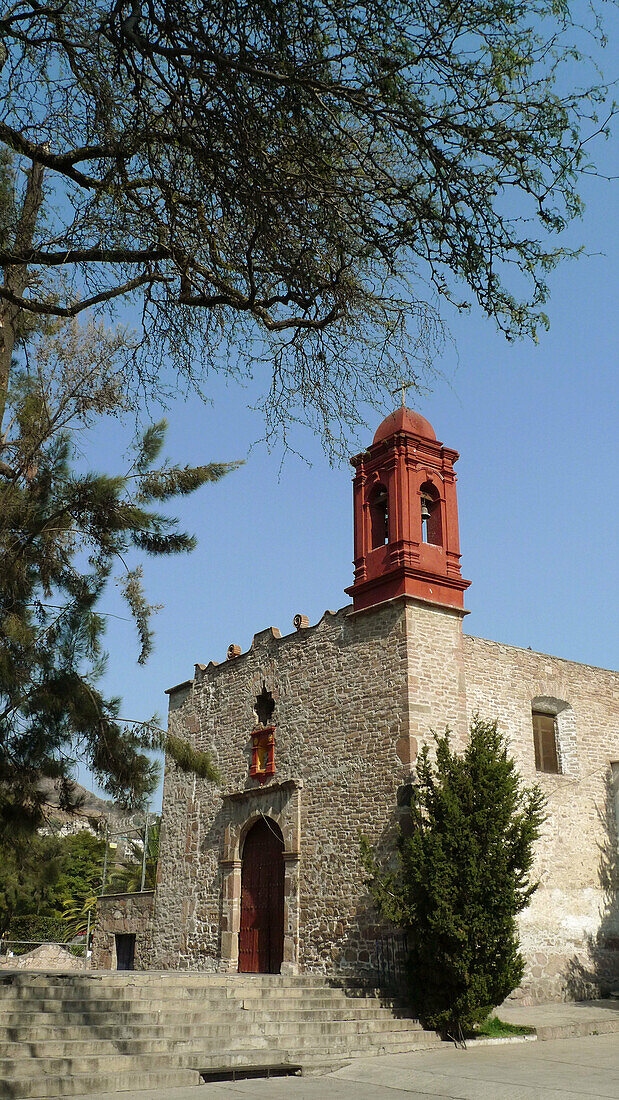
[261,933]
[431,525]
[379,516]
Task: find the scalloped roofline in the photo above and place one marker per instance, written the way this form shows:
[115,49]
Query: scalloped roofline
[272,634]
[260,640]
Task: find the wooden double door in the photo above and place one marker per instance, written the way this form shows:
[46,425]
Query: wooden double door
[261,936]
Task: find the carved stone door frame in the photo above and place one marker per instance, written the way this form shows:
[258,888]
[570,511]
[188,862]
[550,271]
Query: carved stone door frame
[282,803]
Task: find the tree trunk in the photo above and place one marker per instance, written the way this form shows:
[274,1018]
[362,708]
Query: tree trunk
[16,278]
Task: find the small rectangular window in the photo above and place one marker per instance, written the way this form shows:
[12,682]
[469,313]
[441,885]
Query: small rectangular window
[545,740]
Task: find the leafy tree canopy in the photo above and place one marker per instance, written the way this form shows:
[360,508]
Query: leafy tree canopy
[463,874]
[296,182]
[40,877]
[81,858]
[29,872]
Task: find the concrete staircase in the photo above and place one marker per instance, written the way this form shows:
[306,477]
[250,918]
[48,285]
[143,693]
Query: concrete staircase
[74,1034]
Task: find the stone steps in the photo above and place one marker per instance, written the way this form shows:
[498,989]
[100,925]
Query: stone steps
[42,1027]
[166,986]
[66,1037]
[25,1032]
[172,1010]
[33,1044]
[188,997]
[176,989]
[61,1024]
[189,1052]
[75,1012]
[85,1084]
[107,1065]
[70,1048]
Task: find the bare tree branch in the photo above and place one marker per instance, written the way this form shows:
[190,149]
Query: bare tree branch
[297,179]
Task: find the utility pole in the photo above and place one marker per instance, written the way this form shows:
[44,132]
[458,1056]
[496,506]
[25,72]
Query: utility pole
[145,847]
[105,857]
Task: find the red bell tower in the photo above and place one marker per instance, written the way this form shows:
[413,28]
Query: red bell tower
[406,516]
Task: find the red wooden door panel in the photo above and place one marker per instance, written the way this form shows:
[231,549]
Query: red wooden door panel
[261,937]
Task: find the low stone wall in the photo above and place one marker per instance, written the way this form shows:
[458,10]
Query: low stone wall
[121,914]
[49,956]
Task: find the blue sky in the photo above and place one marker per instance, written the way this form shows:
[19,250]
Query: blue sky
[536,427]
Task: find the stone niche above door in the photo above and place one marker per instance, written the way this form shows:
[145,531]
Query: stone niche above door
[281,803]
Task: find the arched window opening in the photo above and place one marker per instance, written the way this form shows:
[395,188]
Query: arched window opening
[545,742]
[431,525]
[379,516]
[552,733]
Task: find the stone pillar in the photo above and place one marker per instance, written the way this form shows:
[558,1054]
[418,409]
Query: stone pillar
[230,912]
[290,964]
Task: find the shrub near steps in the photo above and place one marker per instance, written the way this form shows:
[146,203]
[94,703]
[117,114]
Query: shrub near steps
[71,1034]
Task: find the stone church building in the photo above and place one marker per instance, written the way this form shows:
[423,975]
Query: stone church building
[315,735]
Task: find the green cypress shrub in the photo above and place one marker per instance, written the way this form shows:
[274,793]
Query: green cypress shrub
[463,874]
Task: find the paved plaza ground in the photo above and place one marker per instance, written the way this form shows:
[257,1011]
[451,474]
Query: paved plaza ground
[560,1069]
[575,1056]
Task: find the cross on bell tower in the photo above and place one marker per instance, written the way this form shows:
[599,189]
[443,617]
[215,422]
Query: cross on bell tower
[405,383]
[406,516]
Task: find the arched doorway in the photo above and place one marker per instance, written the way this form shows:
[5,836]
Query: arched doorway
[261,935]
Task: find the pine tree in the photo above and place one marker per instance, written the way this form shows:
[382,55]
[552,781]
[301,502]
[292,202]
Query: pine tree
[62,535]
[463,875]
[65,534]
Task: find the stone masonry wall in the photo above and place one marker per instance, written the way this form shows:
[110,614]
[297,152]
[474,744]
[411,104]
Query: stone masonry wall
[122,913]
[570,932]
[352,702]
[436,679]
[339,690]
[355,697]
